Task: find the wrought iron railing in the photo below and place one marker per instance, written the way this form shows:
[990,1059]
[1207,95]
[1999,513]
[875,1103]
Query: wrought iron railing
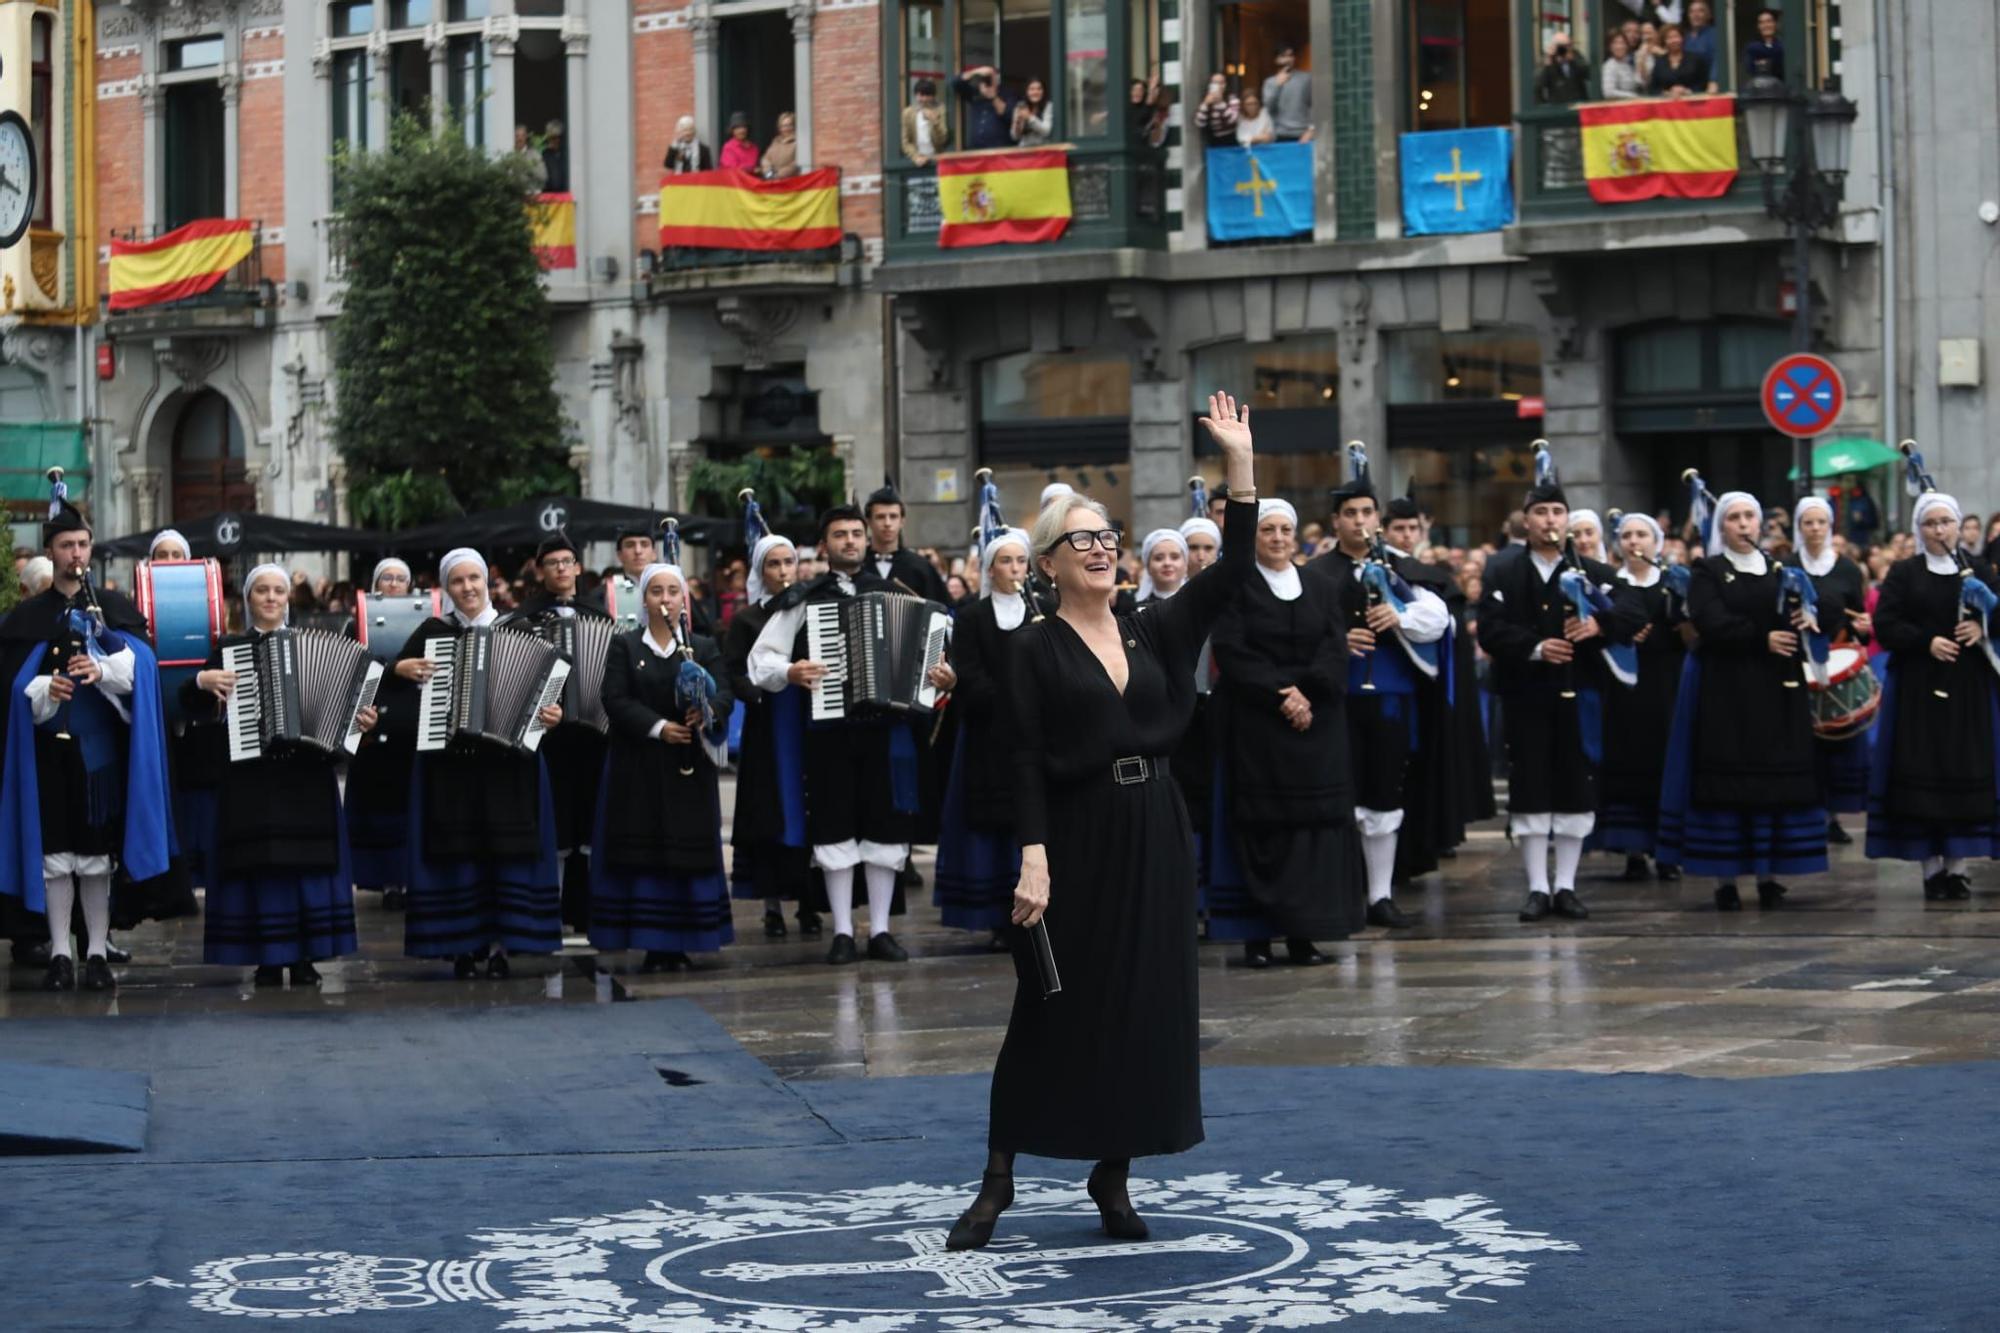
[241,285]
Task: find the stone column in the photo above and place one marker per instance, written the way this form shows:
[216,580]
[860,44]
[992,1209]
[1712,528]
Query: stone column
[438,47]
[153,146]
[576,68]
[378,82]
[503,33]
[801,14]
[701,28]
[230,80]
[144,485]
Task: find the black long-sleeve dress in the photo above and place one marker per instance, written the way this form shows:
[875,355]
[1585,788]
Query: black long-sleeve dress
[1110,1066]
[1842,765]
[1933,789]
[1637,725]
[979,859]
[1290,863]
[1740,794]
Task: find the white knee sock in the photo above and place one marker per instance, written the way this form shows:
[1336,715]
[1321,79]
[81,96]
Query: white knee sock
[1379,851]
[1569,854]
[1933,865]
[60,890]
[96,895]
[840,898]
[881,896]
[1535,855]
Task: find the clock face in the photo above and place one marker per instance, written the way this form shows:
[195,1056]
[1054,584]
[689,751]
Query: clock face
[17,178]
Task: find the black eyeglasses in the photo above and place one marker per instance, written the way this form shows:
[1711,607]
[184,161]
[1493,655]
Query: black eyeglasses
[1082,539]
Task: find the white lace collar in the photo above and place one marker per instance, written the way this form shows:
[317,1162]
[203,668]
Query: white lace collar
[671,646]
[1646,580]
[1284,583]
[1009,609]
[1939,564]
[1819,566]
[1750,562]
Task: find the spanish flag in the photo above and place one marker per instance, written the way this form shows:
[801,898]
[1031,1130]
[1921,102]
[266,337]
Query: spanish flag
[185,262]
[988,198]
[1642,150]
[734,210]
[552,217]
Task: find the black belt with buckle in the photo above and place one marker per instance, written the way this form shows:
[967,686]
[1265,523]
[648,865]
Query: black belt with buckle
[1137,768]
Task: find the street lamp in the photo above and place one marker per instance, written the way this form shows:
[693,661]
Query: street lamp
[1807,199]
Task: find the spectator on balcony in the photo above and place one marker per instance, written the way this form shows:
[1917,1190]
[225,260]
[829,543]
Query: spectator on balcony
[555,159]
[1648,52]
[989,108]
[1288,97]
[538,171]
[1034,118]
[1765,57]
[738,152]
[1700,33]
[926,133]
[1253,123]
[1679,73]
[1565,78]
[1215,118]
[1149,122]
[1618,81]
[687,153]
[781,159]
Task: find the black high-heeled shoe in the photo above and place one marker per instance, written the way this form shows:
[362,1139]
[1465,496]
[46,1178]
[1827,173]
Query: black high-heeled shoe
[304,974]
[1304,953]
[464,967]
[974,1227]
[1257,953]
[774,925]
[498,967]
[1114,1205]
[1770,895]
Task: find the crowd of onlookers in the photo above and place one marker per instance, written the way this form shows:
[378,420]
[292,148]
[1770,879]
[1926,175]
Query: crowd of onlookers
[777,160]
[1674,51]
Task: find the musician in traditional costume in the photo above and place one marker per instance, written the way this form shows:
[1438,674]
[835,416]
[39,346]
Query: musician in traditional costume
[1194,757]
[888,559]
[1932,799]
[378,776]
[83,773]
[574,751]
[1639,720]
[1163,566]
[861,772]
[483,878]
[282,892]
[979,854]
[1203,538]
[770,859]
[1549,674]
[618,595]
[658,881]
[1740,794]
[1397,713]
[1108,1068]
[1586,529]
[1842,591]
[196,770]
[1470,761]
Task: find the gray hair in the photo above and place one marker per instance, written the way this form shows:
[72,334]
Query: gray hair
[1053,521]
[37,575]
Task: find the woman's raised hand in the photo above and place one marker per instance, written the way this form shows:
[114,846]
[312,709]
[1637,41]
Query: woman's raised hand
[1227,424]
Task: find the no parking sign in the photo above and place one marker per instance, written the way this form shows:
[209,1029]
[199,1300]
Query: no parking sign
[1803,395]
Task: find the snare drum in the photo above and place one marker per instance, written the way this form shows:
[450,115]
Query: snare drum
[383,625]
[1846,703]
[183,606]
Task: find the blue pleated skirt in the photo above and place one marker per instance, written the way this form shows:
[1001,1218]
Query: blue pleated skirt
[460,907]
[977,869]
[275,919]
[665,912]
[383,861]
[194,825]
[1843,773]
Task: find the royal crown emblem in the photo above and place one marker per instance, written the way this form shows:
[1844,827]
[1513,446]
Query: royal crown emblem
[976,201]
[1630,154]
[296,1285]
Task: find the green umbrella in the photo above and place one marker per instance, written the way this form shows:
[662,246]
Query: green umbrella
[1855,455]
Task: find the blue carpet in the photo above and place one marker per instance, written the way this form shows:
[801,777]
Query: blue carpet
[46,1109]
[533,1169]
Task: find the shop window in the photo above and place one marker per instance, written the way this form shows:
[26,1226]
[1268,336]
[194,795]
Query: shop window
[1249,33]
[1459,71]
[1426,366]
[1461,418]
[1293,389]
[1058,416]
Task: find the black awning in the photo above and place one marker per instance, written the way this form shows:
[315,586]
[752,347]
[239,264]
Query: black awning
[226,535]
[528,523]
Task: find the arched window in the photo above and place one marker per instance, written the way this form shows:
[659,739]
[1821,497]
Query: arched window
[211,473]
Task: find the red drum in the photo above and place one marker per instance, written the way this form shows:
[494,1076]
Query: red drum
[1846,703]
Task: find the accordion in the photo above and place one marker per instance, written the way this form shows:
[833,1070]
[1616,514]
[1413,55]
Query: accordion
[490,686]
[297,689]
[585,639]
[878,648]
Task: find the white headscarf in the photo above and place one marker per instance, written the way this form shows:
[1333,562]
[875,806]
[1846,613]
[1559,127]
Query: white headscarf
[1581,517]
[167,534]
[646,577]
[1054,489]
[1929,500]
[1007,537]
[463,555]
[1815,565]
[753,586]
[249,620]
[1650,575]
[1153,539]
[1284,582]
[391,562]
[1717,543]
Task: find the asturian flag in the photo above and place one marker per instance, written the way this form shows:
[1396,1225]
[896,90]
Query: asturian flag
[1457,181]
[1261,191]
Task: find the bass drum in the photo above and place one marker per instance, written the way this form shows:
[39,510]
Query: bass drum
[1845,704]
[383,625]
[183,605]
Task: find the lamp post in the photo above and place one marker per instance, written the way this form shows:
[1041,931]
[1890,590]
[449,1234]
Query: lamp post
[1809,197]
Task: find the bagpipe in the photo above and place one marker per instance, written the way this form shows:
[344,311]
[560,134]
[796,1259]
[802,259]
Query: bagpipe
[1587,599]
[1796,595]
[1675,579]
[81,629]
[1384,586]
[694,688]
[1197,497]
[1976,600]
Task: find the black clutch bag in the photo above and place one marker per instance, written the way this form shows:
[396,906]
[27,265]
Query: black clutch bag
[1045,959]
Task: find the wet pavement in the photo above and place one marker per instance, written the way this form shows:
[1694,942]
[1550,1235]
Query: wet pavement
[1856,972]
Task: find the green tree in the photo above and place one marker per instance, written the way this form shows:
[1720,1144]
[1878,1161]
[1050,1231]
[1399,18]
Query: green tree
[10,583]
[792,486]
[444,376]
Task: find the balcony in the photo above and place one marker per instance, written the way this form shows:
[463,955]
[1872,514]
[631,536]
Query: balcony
[679,272]
[172,288]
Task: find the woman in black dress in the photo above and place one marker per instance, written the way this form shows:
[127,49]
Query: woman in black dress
[1109,1068]
[1842,595]
[1287,860]
[1932,798]
[378,777]
[1740,795]
[1639,721]
[657,883]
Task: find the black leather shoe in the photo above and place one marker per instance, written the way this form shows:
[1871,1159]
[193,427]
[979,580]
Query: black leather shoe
[974,1227]
[909,877]
[884,949]
[1936,889]
[1114,1206]
[304,974]
[1536,908]
[809,927]
[1727,899]
[61,974]
[842,950]
[1958,887]
[1668,874]
[1635,870]
[1303,953]
[1567,904]
[774,925]
[665,960]
[1384,912]
[498,967]
[395,900]
[1257,953]
[1837,835]
[269,976]
[97,974]
[114,954]
[1770,895]
[464,967]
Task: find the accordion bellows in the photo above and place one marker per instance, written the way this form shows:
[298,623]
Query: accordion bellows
[490,686]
